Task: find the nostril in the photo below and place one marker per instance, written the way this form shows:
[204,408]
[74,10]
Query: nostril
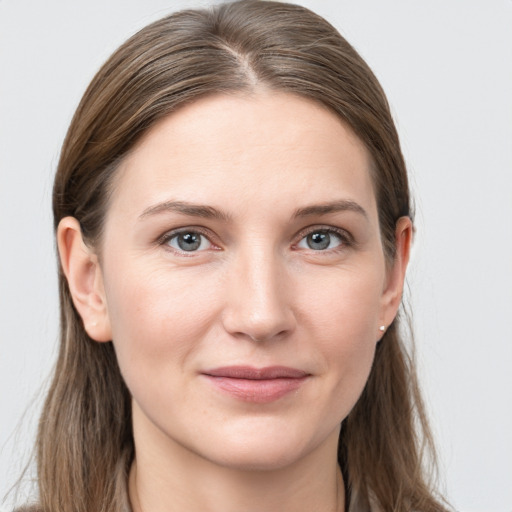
[265,337]
[261,330]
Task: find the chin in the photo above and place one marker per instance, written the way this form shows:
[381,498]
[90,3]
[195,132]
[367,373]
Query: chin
[270,449]
[270,458]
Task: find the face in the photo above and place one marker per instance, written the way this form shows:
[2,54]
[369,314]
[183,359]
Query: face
[244,279]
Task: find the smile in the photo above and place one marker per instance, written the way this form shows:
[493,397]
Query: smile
[258,385]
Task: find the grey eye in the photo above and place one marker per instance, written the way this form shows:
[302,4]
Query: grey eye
[189,241]
[320,240]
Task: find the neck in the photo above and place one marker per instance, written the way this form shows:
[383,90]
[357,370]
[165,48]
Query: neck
[175,479]
[251,493]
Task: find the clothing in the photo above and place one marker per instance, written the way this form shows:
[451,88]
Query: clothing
[354,507]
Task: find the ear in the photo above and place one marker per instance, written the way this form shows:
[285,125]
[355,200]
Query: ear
[82,270]
[392,294]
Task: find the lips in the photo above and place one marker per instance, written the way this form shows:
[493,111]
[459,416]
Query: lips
[258,385]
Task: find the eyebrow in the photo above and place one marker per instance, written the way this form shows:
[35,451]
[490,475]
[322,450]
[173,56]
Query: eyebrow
[209,212]
[185,208]
[341,205]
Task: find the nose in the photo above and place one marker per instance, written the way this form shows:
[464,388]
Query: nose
[258,305]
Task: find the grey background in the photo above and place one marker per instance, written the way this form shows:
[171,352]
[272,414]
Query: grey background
[447,69]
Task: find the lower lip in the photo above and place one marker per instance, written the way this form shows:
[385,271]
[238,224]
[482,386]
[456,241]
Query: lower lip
[258,391]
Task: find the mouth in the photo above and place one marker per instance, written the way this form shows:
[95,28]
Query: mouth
[258,385]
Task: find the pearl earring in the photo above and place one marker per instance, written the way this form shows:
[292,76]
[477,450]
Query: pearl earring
[382,328]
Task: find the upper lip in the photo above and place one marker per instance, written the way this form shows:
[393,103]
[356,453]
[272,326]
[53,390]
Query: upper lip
[251,373]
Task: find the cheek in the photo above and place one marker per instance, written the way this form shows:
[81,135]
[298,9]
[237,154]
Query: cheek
[343,315]
[158,320]
[346,303]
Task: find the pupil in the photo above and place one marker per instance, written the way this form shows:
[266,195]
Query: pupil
[189,241]
[318,241]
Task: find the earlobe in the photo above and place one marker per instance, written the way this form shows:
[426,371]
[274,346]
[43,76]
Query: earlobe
[83,273]
[392,295]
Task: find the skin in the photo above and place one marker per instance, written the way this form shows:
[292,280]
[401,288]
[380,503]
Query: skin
[255,293]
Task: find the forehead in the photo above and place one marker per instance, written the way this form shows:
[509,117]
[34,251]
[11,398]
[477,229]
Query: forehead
[234,151]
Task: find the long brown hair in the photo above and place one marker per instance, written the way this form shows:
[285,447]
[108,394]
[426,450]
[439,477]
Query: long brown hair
[85,444]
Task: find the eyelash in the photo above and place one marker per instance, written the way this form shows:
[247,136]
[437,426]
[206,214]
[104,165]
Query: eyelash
[168,236]
[346,239]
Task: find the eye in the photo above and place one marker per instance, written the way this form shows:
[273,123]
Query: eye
[321,240]
[188,241]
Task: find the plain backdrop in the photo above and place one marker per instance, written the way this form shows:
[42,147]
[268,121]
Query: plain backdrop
[446,66]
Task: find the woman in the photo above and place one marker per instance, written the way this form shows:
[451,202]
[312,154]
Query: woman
[233,222]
